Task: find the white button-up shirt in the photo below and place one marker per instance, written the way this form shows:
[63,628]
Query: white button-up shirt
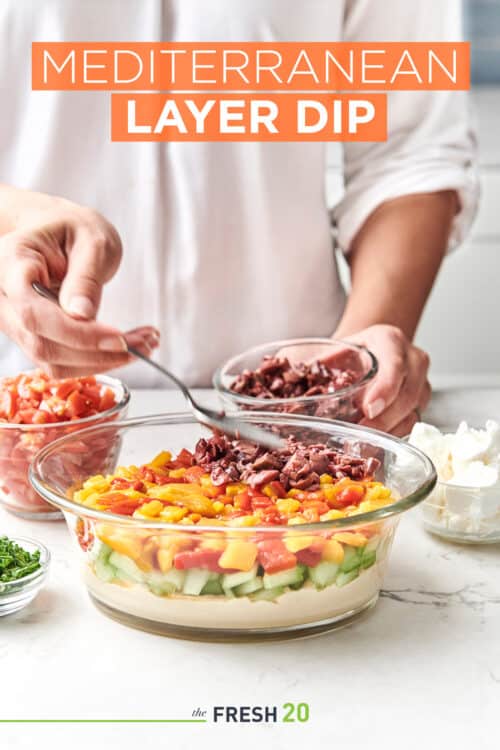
[226,245]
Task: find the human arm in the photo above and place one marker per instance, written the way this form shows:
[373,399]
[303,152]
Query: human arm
[407,201]
[71,248]
[393,267]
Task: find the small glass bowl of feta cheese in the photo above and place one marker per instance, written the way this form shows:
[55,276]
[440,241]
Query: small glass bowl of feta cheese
[465,504]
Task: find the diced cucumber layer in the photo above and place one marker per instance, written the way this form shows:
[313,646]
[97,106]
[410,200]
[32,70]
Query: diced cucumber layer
[163,584]
[161,589]
[244,589]
[213,587]
[110,565]
[368,558]
[324,574]
[344,578]
[297,586]
[372,543]
[195,580]
[104,570]
[231,580]
[267,595]
[351,559]
[284,577]
[126,568]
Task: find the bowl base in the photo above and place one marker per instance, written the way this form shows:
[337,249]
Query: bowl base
[46,515]
[461,537]
[219,635]
[11,604]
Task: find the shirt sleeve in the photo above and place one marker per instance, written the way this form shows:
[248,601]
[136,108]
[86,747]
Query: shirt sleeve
[431,144]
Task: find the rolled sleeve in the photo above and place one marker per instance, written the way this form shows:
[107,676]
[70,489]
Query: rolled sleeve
[431,143]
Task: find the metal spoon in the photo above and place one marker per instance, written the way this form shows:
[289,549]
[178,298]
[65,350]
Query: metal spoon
[216,419]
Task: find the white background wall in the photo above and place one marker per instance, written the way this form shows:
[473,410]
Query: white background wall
[461,325]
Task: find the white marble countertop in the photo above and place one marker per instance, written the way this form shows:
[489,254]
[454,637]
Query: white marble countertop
[422,669]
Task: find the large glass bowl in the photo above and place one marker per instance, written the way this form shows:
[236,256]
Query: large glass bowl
[343,404]
[19,443]
[127,562]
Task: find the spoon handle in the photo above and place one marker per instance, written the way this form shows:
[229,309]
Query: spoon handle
[216,419]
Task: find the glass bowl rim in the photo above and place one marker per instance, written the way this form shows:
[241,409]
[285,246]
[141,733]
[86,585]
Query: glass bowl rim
[111,382]
[453,485]
[467,487]
[40,573]
[265,402]
[401,505]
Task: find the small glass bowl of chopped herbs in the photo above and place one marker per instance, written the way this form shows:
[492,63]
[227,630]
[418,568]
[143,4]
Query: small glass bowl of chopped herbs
[24,564]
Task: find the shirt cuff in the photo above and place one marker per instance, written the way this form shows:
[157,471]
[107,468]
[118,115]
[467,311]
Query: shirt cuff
[361,200]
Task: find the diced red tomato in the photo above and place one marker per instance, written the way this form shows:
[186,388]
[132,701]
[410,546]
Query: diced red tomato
[194,473]
[43,417]
[25,416]
[120,483]
[271,515]
[30,397]
[277,488]
[147,474]
[84,534]
[254,492]
[261,501]
[199,558]
[76,404]
[274,556]
[311,515]
[318,505]
[160,479]
[351,495]
[236,514]
[184,460]
[107,400]
[117,502]
[310,556]
[214,491]
[65,387]
[8,404]
[242,501]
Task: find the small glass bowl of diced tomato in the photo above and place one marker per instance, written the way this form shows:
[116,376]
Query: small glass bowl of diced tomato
[35,409]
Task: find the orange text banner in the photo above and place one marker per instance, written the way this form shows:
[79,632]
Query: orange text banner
[245,117]
[250,66]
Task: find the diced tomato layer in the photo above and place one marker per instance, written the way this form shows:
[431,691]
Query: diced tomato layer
[310,556]
[64,388]
[194,474]
[34,398]
[243,501]
[107,400]
[184,460]
[117,502]
[8,404]
[84,534]
[214,491]
[271,515]
[274,556]
[277,488]
[199,558]
[76,404]
[350,496]
[262,501]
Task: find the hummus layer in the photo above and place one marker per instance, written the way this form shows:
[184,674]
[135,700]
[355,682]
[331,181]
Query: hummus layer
[307,605]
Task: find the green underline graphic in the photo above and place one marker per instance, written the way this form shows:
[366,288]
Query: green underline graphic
[103,721]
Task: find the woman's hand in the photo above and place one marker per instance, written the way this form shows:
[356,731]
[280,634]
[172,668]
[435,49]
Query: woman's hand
[400,391]
[74,249]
